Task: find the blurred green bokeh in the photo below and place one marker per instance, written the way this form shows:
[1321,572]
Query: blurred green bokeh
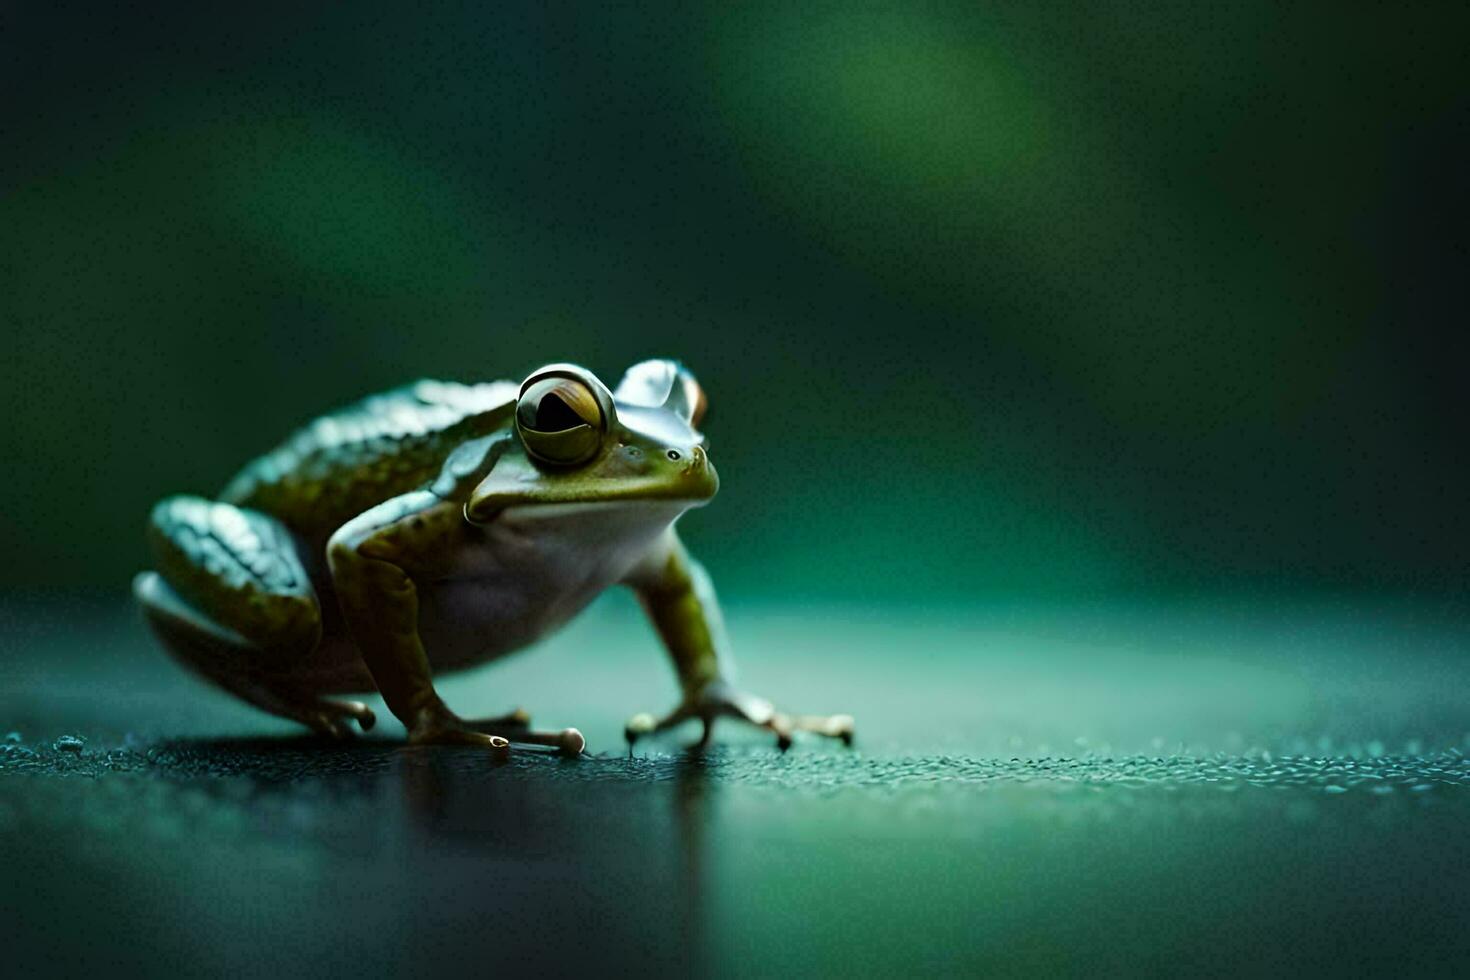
[1055,300]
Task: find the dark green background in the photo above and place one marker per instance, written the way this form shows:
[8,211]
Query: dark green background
[1132,334]
[1057,300]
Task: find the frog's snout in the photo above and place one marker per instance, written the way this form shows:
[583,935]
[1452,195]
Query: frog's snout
[693,459]
[699,463]
[700,469]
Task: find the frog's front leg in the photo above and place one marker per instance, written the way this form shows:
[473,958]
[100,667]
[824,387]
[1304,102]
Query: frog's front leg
[374,560]
[680,599]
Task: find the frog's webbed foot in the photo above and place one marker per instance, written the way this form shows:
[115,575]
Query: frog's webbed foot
[720,700]
[516,727]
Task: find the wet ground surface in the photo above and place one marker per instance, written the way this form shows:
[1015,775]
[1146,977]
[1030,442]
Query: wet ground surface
[1084,789]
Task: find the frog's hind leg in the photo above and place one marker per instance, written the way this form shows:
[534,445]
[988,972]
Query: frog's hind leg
[228,660]
[232,602]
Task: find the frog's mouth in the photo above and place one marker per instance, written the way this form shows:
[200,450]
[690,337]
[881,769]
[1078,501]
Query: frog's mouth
[512,489]
[605,513]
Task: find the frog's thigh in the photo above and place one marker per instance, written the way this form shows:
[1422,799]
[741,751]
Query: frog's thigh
[239,570]
[221,655]
[216,652]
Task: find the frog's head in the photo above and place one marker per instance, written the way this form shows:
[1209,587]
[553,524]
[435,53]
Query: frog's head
[577,442]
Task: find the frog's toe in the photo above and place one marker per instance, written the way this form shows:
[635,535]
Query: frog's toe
[334,718]
[572,742]
[830,726]
[519,718]
[840,727]
[568,741]
[456,734]
[327,726]
[638,726]
[644,724]
[758,712]
[357,711]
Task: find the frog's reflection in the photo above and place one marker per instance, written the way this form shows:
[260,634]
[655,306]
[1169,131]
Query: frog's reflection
[692,815]
[616,846]
[608,854]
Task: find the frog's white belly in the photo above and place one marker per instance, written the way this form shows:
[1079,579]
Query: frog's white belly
[528,572]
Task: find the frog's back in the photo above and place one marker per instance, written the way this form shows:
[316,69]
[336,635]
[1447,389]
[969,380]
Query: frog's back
[341,464]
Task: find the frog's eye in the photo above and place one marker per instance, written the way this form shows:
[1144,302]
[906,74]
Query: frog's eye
[561,420]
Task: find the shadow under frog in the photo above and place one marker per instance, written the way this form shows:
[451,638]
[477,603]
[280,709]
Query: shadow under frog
[439,526]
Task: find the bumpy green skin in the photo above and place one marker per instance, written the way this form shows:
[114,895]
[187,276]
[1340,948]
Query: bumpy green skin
[367,506]
[236,559]
[243,568]
[385,445]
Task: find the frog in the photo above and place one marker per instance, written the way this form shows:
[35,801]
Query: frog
[442,525]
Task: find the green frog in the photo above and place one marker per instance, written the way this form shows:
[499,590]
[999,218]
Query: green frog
[441,525]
